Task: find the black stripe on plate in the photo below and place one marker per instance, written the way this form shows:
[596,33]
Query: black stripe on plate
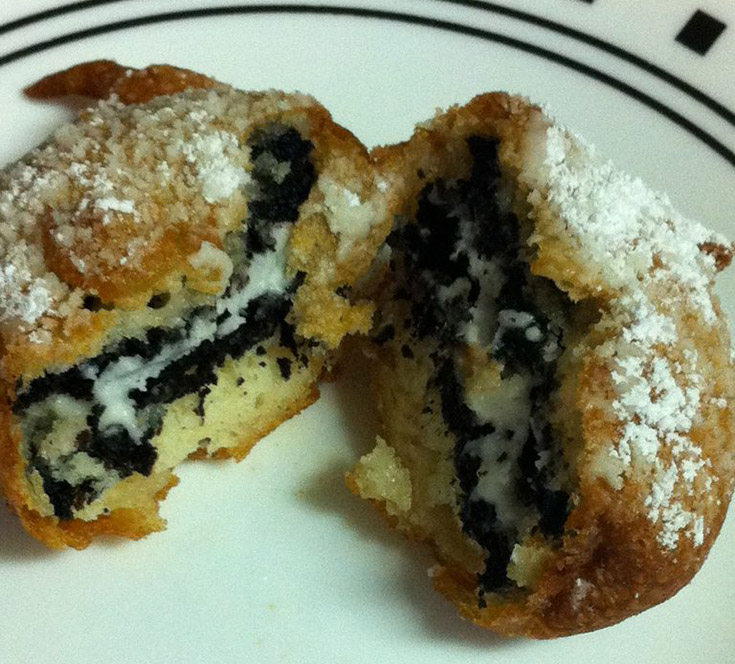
[396,17]
[647,66]
[715,106]
[52,13]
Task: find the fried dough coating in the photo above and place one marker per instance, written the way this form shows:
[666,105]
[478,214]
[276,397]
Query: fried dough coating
[176,270]
[100,79]
[553,375]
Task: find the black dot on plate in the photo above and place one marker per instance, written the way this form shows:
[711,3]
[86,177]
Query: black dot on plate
[700,32]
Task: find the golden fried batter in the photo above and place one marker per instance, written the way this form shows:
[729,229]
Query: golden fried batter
[554,375]
[175,276]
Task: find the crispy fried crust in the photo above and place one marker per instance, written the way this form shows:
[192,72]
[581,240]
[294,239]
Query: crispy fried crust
[618,555]
[163,258]
[102,78]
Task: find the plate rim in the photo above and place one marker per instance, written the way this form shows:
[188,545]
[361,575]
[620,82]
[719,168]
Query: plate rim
[482,5]
[376,14]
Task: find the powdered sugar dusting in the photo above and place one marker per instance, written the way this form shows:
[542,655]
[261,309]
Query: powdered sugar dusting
[580,592]
[348,217]
[126,207]
[26,290]
[657,404]
[630,232]
[634,245]
[213,156]
[15,281]
[109,184]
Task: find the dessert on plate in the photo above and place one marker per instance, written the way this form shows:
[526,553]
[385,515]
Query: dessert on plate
[553,375]
[179,266]
[176,268]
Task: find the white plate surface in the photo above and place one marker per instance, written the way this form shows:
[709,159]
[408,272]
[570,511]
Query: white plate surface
[272,560]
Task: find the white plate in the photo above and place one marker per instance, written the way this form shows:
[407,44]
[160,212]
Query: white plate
[272,560]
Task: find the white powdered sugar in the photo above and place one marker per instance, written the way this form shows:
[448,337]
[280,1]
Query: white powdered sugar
[580,592]
[100,195]
[15,281]
[115,204]
[624,229]
[213,156]
[635,244]
[26,290]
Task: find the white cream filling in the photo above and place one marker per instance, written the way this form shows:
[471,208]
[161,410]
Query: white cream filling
[484,314]
[489,274]
[81,467]
[348,216]
[266,274]
[51,425]
[508,409]
[277,169]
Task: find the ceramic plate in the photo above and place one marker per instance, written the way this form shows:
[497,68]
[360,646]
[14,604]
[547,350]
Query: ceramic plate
[272,560]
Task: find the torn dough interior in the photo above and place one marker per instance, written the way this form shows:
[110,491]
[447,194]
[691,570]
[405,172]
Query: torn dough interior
[467,305]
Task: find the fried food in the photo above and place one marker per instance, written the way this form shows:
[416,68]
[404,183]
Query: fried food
[553,375]
[176,270]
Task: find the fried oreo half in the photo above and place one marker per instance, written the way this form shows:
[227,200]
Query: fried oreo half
[554,375]
[174,276]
